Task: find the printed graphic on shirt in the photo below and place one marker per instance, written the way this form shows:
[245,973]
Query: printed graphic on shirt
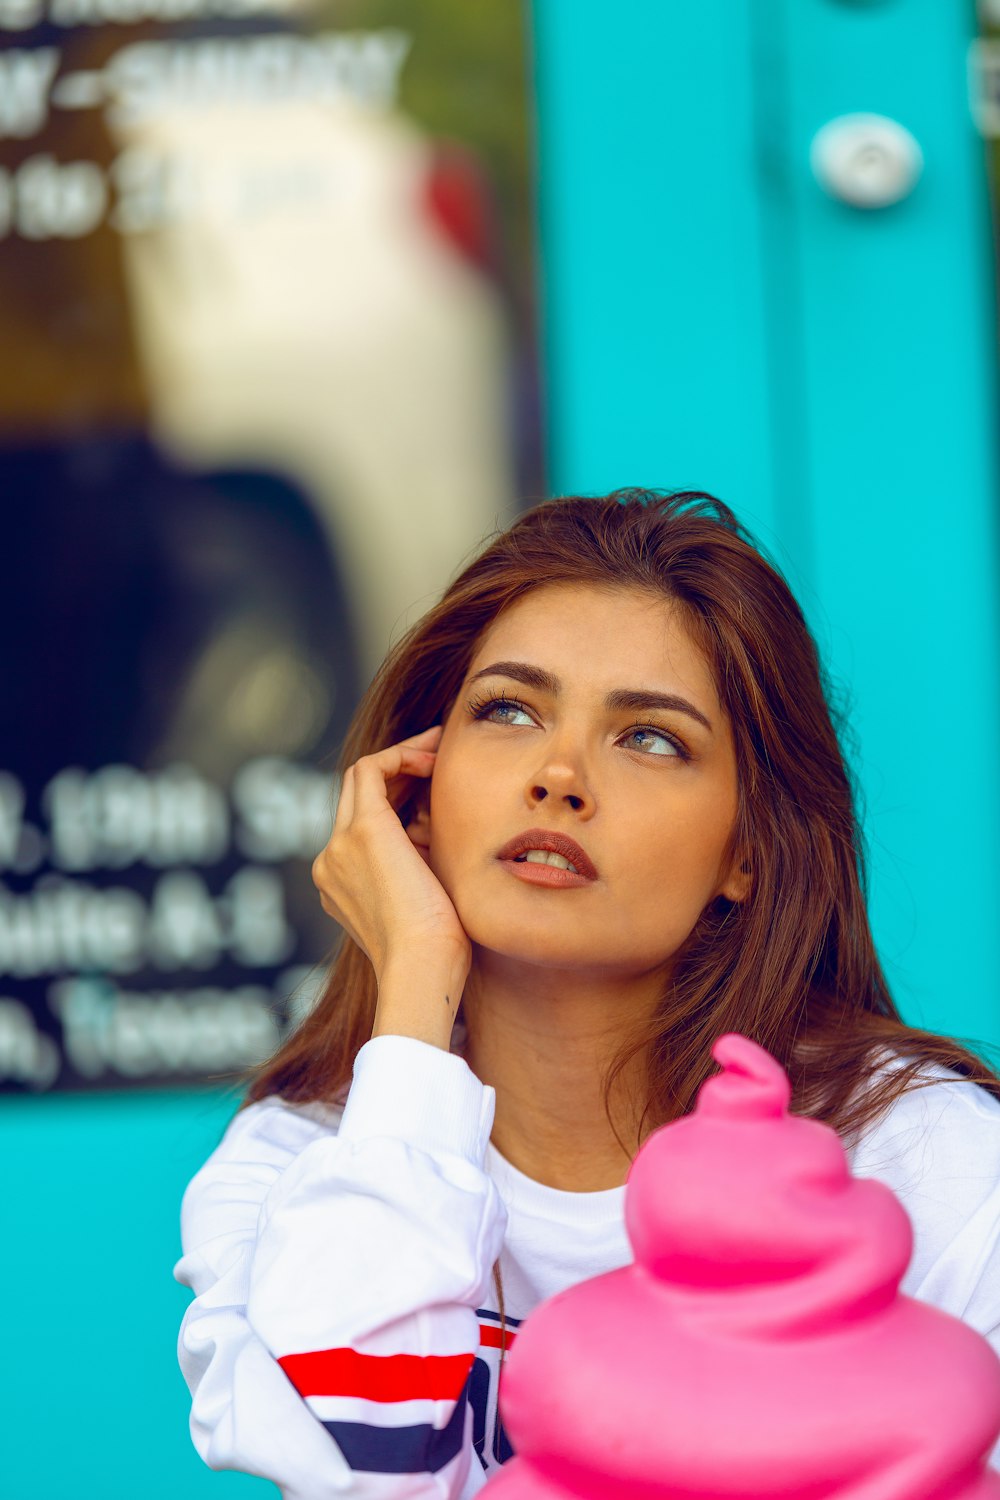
[405,1413]
[489,1437]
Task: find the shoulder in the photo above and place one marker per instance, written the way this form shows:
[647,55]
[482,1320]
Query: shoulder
[260,1142]
[938,1148]
[942,1123]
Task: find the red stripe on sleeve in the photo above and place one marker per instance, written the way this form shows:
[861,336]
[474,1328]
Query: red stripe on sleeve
[378,1377]
[489,1337]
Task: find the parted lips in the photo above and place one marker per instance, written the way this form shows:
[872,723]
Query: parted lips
[549,842]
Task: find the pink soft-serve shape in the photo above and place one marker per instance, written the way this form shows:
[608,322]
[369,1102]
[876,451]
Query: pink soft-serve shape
[759,1345]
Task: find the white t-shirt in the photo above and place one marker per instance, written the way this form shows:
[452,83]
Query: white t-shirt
[344,1339]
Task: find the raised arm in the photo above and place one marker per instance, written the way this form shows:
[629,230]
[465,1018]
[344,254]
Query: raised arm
[337,1272]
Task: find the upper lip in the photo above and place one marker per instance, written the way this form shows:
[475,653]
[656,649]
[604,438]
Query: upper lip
[553,843]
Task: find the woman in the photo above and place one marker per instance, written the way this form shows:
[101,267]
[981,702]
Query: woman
[594,814]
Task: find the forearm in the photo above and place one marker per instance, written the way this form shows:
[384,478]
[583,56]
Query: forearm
[419,995]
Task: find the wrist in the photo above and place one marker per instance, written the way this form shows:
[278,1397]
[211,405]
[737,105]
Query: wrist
[434,963]
[419,996]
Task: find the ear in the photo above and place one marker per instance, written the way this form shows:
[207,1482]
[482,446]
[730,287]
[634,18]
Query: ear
[418,824]
[736,887]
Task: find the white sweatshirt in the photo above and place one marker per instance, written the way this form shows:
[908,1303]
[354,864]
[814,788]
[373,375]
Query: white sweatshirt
[345,1337]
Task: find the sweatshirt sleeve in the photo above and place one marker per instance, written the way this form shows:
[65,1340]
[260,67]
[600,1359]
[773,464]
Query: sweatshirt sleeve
[938,1148]
[336,1277]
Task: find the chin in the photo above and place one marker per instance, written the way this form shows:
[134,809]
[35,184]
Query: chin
[543,946]
[546,947]
[556,937]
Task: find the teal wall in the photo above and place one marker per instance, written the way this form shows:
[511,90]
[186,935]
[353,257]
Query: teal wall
[711,319]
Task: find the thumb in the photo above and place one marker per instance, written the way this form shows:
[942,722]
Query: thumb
[418,831]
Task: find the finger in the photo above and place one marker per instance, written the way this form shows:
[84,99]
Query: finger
[423,850]
[398,787]
[427,738]
[419,834]
[345,802]
[373,774]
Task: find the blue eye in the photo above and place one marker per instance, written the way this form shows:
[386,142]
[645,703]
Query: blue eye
[501,711]
[666,746]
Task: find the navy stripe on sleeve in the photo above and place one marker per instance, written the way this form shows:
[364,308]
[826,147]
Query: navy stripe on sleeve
[422,1449]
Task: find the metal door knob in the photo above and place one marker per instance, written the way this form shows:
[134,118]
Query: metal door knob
[866,160]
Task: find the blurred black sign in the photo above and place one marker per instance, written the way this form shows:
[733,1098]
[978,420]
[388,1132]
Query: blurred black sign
[269,373]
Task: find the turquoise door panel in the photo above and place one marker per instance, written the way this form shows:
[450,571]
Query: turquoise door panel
[651,274]
[899,536]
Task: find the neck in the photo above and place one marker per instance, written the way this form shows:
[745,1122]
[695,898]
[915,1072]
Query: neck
[545,1039]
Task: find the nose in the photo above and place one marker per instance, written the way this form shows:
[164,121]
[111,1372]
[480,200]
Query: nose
[560,782]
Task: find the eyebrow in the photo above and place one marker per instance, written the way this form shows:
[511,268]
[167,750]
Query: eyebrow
[630,700]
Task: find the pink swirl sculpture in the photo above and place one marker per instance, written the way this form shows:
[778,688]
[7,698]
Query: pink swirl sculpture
[759,1345]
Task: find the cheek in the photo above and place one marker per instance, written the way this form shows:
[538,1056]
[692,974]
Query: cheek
[453,812]
[678,849]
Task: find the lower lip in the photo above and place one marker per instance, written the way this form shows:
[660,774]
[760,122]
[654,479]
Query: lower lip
[549,875]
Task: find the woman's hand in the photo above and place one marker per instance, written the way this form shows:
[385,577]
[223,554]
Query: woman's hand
[374,882]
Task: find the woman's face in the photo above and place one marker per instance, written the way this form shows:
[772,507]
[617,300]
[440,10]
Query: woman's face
[589,714]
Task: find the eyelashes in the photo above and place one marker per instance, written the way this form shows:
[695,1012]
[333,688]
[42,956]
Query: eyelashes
[482,707]
[682,751]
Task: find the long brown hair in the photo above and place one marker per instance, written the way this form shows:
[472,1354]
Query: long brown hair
[794,965]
